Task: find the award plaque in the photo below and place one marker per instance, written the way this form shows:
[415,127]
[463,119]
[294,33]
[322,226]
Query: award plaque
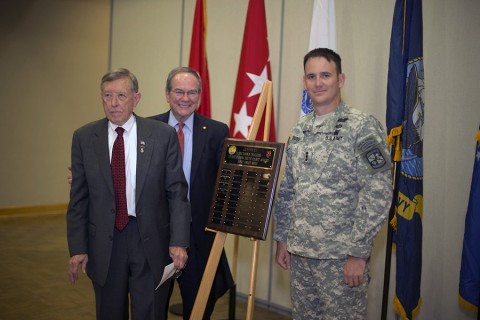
[245,187]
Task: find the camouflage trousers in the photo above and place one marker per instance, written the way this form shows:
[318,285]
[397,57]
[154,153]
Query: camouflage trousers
[319,292]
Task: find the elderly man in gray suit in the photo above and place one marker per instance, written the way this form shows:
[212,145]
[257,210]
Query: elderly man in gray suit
[124,228]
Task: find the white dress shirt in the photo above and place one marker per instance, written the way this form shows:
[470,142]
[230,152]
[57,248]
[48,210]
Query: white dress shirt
[130,143]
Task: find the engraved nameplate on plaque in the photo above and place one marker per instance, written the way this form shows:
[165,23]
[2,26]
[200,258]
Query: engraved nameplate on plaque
[245,187]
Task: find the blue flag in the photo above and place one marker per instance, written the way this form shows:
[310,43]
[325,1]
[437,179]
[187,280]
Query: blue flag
[470,271]
[405,117]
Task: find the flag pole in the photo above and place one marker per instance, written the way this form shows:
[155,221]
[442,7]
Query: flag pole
[478,306]
[391,215]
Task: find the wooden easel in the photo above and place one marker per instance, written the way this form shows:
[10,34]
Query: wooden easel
[265,99]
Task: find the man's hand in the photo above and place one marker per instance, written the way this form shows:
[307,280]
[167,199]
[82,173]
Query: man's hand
[353,271]
[77,261]
[282,256]
[179,257]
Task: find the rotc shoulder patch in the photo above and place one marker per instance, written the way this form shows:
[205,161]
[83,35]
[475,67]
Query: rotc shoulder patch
[372,154]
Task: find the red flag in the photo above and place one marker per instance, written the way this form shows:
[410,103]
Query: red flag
[198,54]
[253,70]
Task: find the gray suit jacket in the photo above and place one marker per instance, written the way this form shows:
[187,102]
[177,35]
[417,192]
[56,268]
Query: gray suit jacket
[162,208]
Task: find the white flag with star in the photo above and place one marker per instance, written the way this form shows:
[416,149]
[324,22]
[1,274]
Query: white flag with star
[322,35]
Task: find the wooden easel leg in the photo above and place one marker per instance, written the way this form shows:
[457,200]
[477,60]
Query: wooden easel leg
[253,277]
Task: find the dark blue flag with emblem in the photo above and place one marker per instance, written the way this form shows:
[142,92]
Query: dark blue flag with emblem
[405,117]
[470,271]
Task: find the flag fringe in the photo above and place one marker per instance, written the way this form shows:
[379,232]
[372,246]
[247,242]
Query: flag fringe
[477,136]
[397,306]
[466,304]
[393,222]
[395,132]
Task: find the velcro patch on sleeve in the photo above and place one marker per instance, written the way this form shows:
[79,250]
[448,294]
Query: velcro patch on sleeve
[372,154]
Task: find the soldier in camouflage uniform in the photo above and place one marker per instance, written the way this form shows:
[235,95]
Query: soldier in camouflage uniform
[333,199]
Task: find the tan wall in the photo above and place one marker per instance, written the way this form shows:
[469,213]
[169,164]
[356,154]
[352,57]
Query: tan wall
[54,53]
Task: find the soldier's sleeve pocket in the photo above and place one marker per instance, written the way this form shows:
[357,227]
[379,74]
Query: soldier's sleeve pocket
[372,154]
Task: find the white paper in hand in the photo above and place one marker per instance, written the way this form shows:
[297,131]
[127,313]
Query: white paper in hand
[168,272]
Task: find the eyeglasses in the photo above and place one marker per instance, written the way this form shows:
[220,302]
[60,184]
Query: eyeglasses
[191,93]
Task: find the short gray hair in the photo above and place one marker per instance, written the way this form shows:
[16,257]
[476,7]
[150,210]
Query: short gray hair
[118,74]
[174,72]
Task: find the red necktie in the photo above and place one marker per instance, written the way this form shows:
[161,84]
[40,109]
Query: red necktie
[180,135]
[119,180]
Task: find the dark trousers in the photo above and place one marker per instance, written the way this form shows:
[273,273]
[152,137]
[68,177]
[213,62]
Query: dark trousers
[189,281]
[129,272]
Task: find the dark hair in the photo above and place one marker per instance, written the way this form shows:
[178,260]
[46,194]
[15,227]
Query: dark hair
[326,53]
[174,72]
[118,74]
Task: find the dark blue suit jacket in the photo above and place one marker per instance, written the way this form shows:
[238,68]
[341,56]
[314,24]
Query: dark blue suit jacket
[208,139]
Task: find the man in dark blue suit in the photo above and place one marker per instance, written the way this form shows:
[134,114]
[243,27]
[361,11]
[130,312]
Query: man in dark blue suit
[125,225]
[203,143]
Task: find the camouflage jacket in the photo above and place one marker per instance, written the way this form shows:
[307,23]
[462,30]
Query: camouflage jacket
[336,191]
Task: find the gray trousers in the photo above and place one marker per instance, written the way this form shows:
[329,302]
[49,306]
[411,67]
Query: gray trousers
[130,279]
[319,292]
